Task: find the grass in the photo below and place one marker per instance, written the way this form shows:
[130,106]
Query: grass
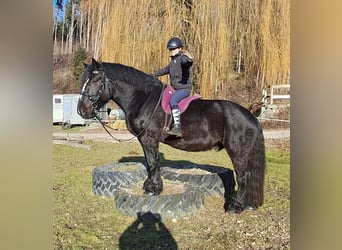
[85,221]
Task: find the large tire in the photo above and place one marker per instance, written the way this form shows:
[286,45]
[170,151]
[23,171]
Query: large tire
[168,206]
[117,178]
[217,181]
[110,177]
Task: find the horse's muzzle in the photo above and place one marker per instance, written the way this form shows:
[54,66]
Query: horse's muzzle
[86,113]
[85,110]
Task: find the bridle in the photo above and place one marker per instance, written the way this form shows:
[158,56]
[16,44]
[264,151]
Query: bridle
[94,99]
[95,105]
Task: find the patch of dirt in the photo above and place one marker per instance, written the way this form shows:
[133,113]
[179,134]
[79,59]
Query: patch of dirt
[268,124]
[281,144]
[125,168]
[96,128]
[191,171]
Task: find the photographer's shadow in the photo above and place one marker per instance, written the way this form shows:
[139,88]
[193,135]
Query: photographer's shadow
[147,232]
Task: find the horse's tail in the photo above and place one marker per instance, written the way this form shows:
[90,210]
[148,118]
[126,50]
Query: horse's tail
[256,166]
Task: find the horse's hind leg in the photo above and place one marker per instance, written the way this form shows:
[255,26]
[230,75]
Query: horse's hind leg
[248,158]
[153,184]
[239,202]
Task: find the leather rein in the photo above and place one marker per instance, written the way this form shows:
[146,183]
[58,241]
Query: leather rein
[95,104]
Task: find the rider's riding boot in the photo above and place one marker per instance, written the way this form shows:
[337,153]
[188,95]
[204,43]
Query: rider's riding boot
[176,130]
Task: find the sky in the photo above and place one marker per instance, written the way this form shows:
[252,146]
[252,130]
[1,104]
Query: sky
[60,14]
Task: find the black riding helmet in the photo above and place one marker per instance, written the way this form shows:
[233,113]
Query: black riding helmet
[174,43]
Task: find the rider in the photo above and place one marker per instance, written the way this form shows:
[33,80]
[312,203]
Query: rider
[179,71]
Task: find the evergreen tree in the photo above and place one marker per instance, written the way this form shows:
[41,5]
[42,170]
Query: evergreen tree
[79,57]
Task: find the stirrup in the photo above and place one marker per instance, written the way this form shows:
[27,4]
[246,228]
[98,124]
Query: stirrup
[175,131]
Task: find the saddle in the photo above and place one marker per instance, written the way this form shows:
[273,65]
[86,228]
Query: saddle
[183,104]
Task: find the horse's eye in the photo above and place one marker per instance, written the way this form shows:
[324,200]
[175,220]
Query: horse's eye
[97,78]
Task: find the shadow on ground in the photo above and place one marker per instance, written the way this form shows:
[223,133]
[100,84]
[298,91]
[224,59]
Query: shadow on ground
[147,232]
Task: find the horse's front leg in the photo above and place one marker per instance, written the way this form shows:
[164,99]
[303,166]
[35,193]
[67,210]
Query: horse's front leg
[153,184]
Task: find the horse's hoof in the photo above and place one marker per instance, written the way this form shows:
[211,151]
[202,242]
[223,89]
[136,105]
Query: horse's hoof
[234,209]
[149,193]
[250,208]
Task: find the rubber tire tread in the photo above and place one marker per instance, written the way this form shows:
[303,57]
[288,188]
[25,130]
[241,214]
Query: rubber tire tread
[105,180]
[168,206]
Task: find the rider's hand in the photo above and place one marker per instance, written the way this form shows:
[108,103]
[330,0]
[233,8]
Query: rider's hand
[188,54]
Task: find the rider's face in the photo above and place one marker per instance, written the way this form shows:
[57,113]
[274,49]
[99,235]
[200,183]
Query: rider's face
[175,51]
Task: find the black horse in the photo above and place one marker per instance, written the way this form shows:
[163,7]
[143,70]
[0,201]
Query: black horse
[206,124]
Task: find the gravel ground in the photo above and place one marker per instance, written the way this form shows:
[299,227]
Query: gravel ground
[97,133]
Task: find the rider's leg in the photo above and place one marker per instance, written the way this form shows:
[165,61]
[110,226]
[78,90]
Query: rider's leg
[177,96]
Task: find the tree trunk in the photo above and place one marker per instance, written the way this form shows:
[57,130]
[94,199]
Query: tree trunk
[63,24]
[80,24]
[89,22]
[55,26]
[71,29]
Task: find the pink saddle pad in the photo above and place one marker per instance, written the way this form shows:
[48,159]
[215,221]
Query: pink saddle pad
[183,104]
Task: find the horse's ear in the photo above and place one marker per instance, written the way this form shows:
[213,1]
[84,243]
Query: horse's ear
[96,65]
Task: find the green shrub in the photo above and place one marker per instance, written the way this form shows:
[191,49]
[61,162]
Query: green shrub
[79,57]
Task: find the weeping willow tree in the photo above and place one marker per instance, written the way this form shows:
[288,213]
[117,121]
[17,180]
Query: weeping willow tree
[92,21]
[211,31]
[262,37]
[137,34]
[247,40]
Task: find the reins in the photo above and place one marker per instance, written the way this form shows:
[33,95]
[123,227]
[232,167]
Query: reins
[105,126]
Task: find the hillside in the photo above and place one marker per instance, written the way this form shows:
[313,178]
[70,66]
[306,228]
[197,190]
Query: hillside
[63,82]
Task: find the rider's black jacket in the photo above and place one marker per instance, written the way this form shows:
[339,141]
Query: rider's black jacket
[179,71]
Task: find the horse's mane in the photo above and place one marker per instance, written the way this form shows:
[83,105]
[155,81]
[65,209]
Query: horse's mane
[130,75]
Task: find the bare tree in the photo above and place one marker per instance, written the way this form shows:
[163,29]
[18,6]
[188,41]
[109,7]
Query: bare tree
[71,28]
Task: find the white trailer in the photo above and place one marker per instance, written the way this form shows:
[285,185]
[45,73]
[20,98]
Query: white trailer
[57,109]
[68,104]
[70,115]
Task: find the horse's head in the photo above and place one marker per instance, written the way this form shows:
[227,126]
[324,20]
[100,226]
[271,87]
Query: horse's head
[94,93]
